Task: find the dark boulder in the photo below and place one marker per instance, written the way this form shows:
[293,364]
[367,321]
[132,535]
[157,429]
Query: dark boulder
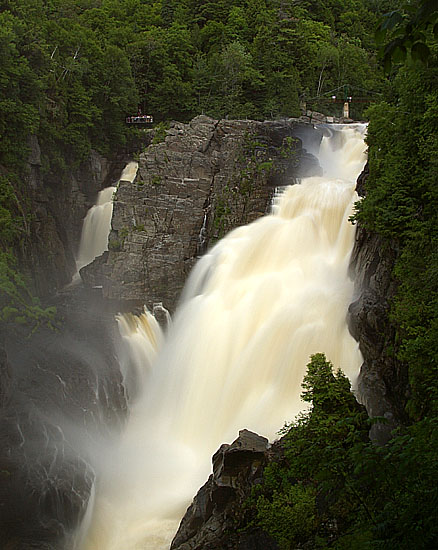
[212,519]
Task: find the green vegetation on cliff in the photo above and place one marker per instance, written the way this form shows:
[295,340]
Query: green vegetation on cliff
[401,205]
[333,488]
[17,305]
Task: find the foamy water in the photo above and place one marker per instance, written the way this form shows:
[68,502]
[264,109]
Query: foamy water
[254,309]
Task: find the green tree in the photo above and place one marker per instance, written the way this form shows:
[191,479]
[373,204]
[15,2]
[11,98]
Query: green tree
[333,488]
[20,91]
[308,497]
[411,30]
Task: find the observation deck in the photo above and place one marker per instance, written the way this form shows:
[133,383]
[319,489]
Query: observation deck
[139,119]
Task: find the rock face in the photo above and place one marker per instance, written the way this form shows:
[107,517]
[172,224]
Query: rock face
[50,379]
[58,205]
[58,389]
[5,377]
[205,179]
[208,522]
[382,380]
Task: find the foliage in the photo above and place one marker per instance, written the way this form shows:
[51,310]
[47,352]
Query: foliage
[334,489]
[17,305]
[302,493]
[160,132]
[410,30]
[289,515]
[401,206]
[61,81]
[70,72]
[12,215]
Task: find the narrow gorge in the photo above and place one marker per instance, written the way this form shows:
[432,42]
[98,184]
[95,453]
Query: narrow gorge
[218,275]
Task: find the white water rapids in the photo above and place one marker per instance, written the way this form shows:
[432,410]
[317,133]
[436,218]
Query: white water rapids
[254,309]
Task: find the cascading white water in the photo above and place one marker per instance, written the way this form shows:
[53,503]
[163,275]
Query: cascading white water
[254,309]
[94,237]
[97,222]
[141,339]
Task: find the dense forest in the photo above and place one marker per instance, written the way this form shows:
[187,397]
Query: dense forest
[72,70]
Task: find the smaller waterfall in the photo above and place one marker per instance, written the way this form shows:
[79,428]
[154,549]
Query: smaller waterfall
[202,237]
[94,237]
[141,339]
[97,222]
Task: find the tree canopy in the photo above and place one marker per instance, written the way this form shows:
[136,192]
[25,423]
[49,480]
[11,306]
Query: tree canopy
[333,488]
[71,71]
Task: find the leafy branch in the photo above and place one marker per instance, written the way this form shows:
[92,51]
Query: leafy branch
[410,31]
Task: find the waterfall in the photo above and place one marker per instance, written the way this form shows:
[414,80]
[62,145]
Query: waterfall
[95,229]
[141,339]
[97,222]
[202,237]
[254,309]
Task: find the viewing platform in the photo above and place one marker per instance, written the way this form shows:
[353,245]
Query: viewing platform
[140,119]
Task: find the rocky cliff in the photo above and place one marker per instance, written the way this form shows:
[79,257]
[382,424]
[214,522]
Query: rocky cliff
[52,207]
[383,380]
[58,203]
[212,520]
[205,179]
[60,389]
[54,378]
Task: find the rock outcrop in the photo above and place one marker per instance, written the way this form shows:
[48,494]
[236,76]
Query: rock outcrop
[5,377]
[382,378]
[217,508]
[58,203]
[51,380]
[205,179]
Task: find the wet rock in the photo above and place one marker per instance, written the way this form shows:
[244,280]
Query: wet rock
[209,521]
[361,181]
[59,390]
[59,201]
[247,450]
[34,151]
[5,378]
